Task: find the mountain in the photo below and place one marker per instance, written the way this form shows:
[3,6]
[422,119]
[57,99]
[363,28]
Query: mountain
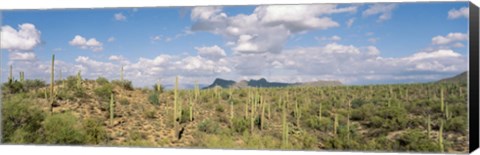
[460,78]
[221,83]
[264,83]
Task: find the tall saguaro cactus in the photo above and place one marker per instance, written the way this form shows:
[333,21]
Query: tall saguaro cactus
[440,137]
[429,127]
[175,102]
[79,79]
[111,109]
[52,80]
[121,74]
[442,104]
[284,124]
[10,76]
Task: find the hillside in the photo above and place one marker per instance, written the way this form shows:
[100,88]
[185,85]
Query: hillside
[460,78]
[263,83]
[113,113]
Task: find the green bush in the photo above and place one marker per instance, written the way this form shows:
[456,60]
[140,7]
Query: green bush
[21,120]
[208,126]
[149,114]
[33,84]
[123,101]
[153,98]
[416,140]
[101,80]
[125,84]
[104,92]
[457,124]
[240,124]
[13,87]
[63,128]
[162,88]
[95,132]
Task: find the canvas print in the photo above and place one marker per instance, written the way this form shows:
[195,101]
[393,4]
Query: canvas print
[376,77]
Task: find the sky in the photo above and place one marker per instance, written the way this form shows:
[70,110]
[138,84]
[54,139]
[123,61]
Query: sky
[356,44]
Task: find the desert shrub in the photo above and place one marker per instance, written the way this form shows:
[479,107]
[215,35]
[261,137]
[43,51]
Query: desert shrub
[208,126]
[219,108]
[123,101]
[13,87]
[416,140]
[356,103]
[125,84]
[33,84]
[104,92]
[149,114]
[184,115]
[162,88]
[21,120]
[101,80]
[63,128]
[153,98]
[71,83]
[95,132]
[457,124]
[308,141]
[240,124]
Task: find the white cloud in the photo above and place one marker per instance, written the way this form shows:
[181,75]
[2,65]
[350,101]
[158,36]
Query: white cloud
[268,27]
[373,40]
[435,54]
[25,39]
[22,56]
[119,17]
[450,38]
[350,22]
[462,12]
[384,10]
[111,39]
[83,43]
[118,58]
[213,52]
[332,38]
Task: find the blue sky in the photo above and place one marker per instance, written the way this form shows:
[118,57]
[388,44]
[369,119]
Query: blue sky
[354,43]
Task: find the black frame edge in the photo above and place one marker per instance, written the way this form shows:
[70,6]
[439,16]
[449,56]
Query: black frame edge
[473,77]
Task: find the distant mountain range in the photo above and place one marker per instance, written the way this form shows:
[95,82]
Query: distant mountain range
[461,78]
[264,83]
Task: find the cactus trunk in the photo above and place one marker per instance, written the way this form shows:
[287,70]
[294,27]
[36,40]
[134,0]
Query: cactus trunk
[429,127]
[10,75]
[441,100]
[52,78]
[111,109]
[175,102]
[440,137]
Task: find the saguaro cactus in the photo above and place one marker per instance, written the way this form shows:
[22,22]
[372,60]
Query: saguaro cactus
[263,121]
[175,102]
[191,109]
[320,112]
[441,99]
[284,124]
[335,124]
[230,99]
[52,80]
[440,137]
[111,109]
[22,76]
[10,76]
[121,74]
[79,79]
[429,127]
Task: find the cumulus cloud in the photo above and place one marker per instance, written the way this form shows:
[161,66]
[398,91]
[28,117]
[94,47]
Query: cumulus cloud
[25,38]
[213,52]
[83,43]
[267,28]
[119,17]
[383,10]
[22,56]
[450,38]
[455,14]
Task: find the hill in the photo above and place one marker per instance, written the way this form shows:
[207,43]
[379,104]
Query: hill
[263,83]
[460,78]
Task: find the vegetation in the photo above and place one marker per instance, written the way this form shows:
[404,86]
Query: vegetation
[427,117]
